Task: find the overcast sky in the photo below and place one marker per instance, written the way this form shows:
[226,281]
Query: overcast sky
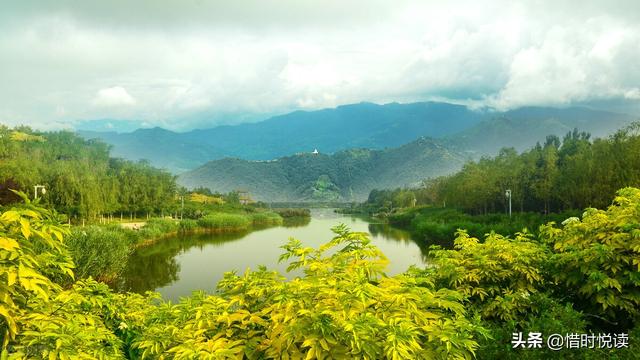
[196,63]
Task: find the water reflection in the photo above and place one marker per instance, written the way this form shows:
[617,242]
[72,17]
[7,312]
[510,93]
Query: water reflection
[155,266]
[178,265]
[294,222]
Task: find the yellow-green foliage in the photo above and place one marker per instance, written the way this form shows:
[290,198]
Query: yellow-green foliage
[599,256]
[31,253]
[497,275]
[206,199]
[20,136]
[343,307]
[266,218]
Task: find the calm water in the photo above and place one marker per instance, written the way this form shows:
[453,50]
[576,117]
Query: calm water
[179,265]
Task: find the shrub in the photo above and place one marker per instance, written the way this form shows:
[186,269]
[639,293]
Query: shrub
[498,276]
[266,218]
[597,259]
[222,221]
[98,251]
[343,307]
[187,225]
[293,212]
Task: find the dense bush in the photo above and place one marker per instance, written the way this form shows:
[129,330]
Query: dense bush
[266,218]
[439,225]
[188,225]
[597,258]
[222,221]
[576,278]
[293,212]
[343,307]
[98,251]
[156,228]
[497,276]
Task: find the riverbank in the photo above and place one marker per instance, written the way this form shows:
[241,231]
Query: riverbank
[437,226]
[180,264]
[102,251]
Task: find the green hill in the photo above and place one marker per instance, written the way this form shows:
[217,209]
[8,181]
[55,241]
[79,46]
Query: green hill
[363,125]
[344,176]
[522,128]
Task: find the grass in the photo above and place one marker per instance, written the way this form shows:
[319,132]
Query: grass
[293,212]
[437,226]
[223,221]
[102,251]
[99,251]
[266,218]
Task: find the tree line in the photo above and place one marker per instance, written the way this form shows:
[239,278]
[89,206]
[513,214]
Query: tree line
[79,176]
[574,172]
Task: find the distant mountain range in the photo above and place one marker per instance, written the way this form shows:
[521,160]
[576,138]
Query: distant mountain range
[363,125]
[522,128]
[347,175]
[362,147]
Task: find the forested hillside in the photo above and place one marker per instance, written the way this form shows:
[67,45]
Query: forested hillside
[345,176]
[79,176]
[363,125]
[522,128]
[574,172]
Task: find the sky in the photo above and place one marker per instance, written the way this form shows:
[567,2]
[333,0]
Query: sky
[187,64]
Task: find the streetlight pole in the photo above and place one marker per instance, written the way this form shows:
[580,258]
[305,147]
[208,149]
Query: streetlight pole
[35,191]
[508,195]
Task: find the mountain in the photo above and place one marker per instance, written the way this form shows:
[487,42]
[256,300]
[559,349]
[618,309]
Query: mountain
[363,125]
[109,125]
[347,175]
[523,127]
[165,149]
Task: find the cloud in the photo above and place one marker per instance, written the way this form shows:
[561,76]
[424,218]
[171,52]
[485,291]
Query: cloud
[182,64]
[113,96]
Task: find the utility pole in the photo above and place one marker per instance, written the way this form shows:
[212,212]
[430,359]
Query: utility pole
[508,195]
[35,191]
[182,211]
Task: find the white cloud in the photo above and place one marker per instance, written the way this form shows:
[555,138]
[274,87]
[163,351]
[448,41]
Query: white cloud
[207,62]
[112,97]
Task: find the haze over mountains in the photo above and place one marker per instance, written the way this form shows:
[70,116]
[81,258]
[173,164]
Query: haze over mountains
[363,125]
[348,175]
[375,146]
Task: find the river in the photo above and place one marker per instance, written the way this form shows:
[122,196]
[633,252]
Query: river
[178,265]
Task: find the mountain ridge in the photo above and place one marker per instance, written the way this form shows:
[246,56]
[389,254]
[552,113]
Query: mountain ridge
[347,175]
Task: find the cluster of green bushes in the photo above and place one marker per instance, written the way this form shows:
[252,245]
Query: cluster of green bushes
[99,252]
[574,172]
[223,221]
[233,222]
[578,277]
[266,218]
[102,251]
[431,225]
[293,212]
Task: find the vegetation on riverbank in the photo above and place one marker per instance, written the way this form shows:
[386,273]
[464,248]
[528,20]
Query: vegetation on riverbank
[549,182]
[578,277]
[80,178]
[102,251]
[431,226]
[558,175]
